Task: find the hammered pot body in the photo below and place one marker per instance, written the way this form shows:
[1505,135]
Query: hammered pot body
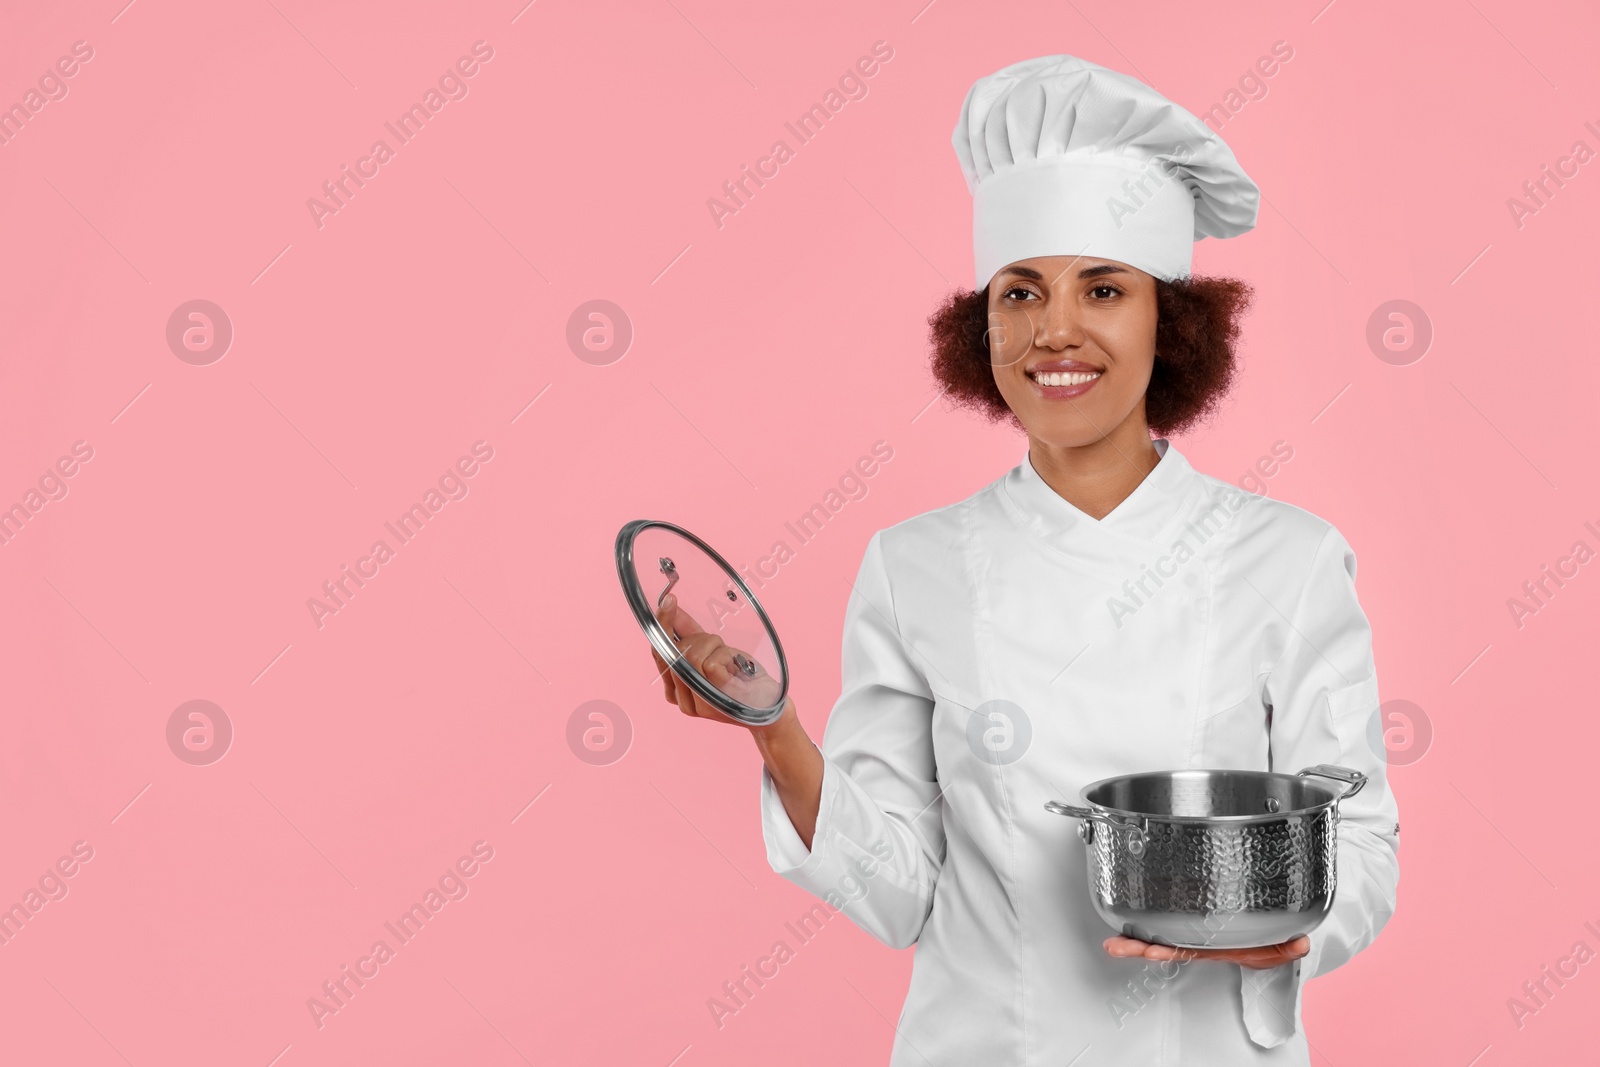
[1194,880]
[1198,886]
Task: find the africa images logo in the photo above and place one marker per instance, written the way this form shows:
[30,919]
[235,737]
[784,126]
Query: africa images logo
[452,485]
[452,885]
[452,85]
[852,85]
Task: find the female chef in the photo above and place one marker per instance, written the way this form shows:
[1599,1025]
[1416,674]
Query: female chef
[1101,609]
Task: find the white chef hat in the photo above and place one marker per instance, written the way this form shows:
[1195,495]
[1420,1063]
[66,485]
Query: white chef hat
[1065,157]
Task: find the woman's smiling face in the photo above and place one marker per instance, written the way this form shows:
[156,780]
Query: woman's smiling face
[1072,344]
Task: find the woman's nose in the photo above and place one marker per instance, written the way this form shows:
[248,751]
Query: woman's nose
[1057,326]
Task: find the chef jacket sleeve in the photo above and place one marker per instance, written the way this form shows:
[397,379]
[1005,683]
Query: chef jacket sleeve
[879,840]
[1324,697]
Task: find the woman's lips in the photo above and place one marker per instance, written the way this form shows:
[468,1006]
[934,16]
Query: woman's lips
[1074,381]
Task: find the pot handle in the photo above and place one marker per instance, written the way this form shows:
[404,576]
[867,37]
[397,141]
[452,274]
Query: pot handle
[1354,779]
[1140,827]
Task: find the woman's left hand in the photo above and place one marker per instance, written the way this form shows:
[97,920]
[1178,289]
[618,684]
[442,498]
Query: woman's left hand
[1259,959]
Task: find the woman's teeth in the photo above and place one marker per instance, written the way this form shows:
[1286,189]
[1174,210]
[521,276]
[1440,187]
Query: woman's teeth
[1066,377]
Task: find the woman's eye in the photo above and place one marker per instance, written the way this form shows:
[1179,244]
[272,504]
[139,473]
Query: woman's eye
[1017,291]
[1111,290]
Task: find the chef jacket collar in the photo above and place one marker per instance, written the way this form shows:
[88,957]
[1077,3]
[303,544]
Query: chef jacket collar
[1153,512]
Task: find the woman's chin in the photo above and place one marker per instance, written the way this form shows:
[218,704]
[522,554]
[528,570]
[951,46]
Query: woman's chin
[1068,429]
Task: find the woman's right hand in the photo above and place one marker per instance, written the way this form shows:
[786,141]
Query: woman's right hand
[792,760]
[717,663]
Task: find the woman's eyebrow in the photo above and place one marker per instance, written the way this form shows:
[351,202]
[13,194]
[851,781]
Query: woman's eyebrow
[1087,272]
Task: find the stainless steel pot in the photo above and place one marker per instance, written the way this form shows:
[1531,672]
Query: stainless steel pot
[1213,859]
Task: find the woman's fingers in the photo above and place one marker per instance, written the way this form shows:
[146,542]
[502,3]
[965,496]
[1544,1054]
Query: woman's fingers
[668,615]
[677,620]
[704,653]
[714,660]
[699,651]
[1255,958]
[1124,947]
[719,665]
[668,679]
[758,689]
[1133,948]
[1275,955]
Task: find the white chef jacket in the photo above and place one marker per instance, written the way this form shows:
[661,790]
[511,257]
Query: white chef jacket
[1196,625]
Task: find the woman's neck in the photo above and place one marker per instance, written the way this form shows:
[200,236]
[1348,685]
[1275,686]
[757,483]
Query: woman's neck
[1096,477]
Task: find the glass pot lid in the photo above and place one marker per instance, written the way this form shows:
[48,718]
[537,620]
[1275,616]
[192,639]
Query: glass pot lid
[715,637]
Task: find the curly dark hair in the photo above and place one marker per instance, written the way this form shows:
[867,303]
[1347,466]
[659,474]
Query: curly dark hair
[1197,330]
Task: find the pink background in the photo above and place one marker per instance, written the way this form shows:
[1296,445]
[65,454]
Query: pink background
[768,355]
